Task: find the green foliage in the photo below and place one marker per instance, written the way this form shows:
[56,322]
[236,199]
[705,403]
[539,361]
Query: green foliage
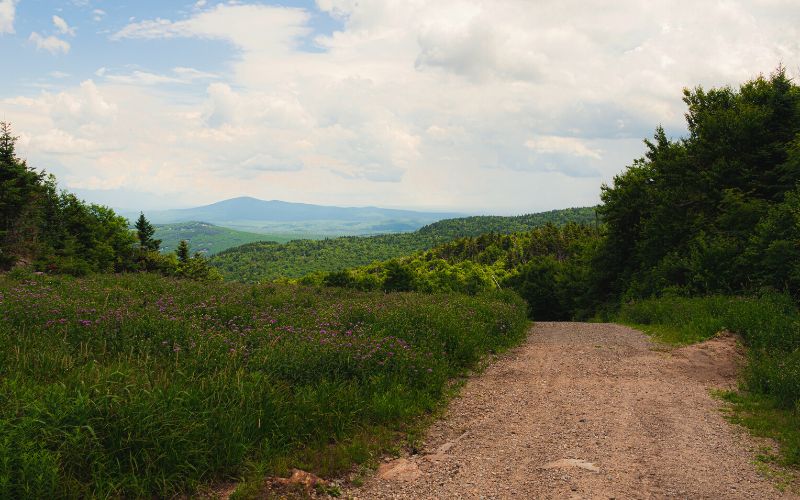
[684,216]
[56,232]
[182,252]
[208,238]
[21,189]
[145,232]
[548,266]
[82,238]
[142,386]
[267,260]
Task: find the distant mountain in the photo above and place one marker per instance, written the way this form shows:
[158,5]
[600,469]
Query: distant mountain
[207,238]
[298,219]
[265,261]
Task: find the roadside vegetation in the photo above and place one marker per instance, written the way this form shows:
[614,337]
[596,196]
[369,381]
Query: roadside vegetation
[546,266]
[141,386]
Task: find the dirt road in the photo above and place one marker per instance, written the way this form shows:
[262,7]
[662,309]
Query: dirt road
[586,411]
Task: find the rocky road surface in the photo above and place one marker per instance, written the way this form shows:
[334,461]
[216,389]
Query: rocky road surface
[587,411]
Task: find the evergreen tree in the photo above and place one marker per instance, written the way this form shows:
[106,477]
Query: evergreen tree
[20,190]
[183,252]
[145,232]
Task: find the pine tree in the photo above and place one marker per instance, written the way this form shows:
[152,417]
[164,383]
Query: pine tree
[20,191]
[183,252]
[145,232]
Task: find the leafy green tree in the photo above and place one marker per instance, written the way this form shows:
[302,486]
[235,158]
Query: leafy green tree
[145,232]
[681,217]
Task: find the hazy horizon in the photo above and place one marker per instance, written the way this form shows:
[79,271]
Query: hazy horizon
[503,107]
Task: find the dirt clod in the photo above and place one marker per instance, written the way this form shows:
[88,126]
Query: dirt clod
[399,470]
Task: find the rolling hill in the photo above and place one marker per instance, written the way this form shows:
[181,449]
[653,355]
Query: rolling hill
[259,261]
[299,220]
[208,238]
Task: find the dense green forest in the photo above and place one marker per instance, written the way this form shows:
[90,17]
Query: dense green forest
[547,266]
[266,260]
[55,232]
[208,239]
[717,211]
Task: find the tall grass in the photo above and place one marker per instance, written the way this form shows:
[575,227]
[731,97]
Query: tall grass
[769,326]
[141,386]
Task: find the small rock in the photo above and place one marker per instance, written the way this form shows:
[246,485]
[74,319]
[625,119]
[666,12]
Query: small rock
[572,462]
[445,447]
[302,478]
[399,470]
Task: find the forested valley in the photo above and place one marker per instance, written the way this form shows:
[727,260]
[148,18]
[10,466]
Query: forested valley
[269,260]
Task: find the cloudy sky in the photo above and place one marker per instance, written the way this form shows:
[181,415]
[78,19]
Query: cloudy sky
[495,106]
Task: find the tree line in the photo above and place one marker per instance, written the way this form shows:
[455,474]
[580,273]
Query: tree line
[268,260]
[716,212]
[54,231]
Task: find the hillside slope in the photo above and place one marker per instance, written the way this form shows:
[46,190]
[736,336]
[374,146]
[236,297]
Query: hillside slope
[264,260]
[208,238]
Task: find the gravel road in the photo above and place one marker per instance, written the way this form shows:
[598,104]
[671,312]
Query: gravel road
[586,411]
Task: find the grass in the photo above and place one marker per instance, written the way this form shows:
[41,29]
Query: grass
[764,417]
[769,400]
[141,386]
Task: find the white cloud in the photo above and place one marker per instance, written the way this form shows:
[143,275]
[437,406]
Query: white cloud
[502,105]
[140,78]
[98,15]
[56,141]
[7,14]
[180,75]
[244,25]
[51,44]
[562,145]
[62,26]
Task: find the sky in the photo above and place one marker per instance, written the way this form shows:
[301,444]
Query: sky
[476,106]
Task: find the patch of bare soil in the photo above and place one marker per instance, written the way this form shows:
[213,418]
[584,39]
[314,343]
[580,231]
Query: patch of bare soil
[587,411]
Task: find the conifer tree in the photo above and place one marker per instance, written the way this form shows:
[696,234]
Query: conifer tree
[145,232]
[20,187]
[183,252]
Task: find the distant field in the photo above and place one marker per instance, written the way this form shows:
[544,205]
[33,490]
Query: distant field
[209,238]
